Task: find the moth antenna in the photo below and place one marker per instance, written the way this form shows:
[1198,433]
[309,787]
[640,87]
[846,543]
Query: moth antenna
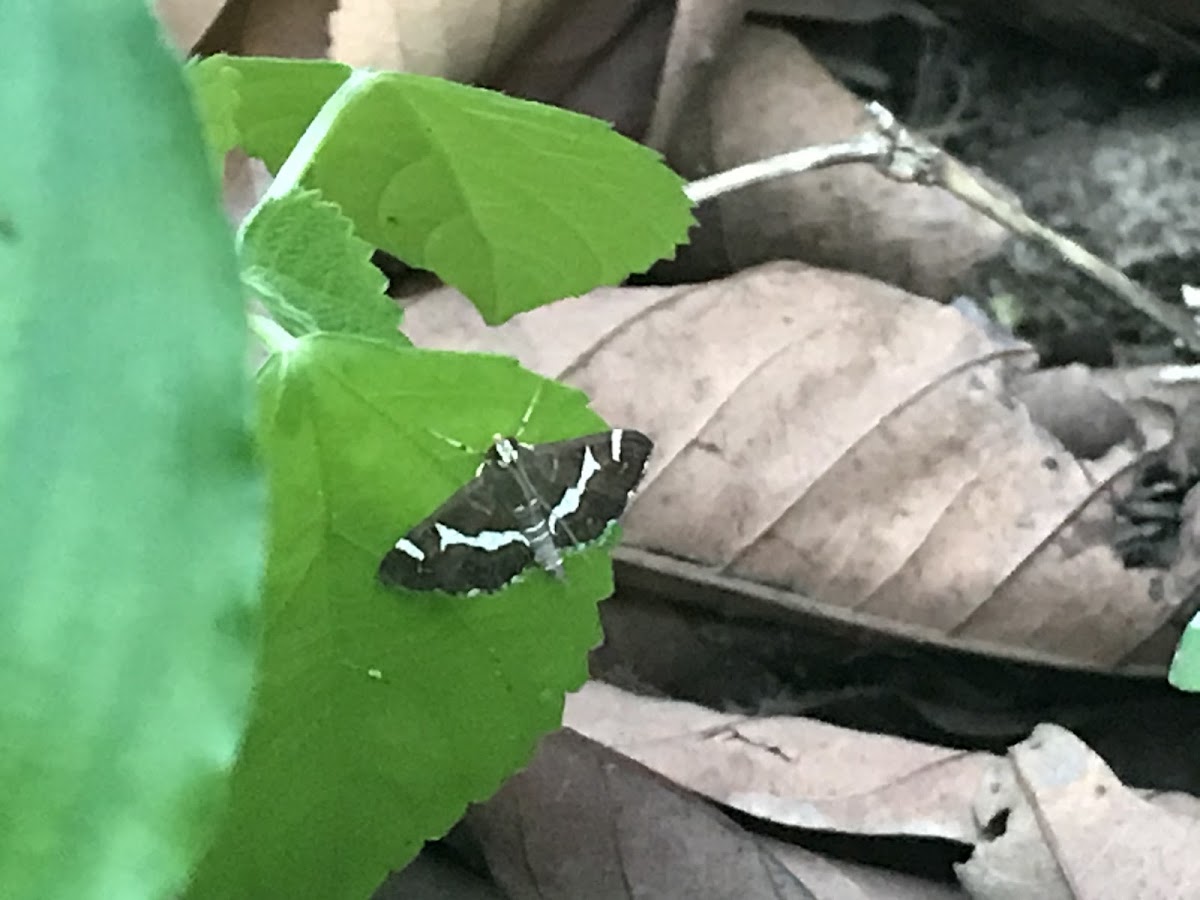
[537,396]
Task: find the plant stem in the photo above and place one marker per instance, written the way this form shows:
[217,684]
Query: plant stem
[866,148]
[271,333]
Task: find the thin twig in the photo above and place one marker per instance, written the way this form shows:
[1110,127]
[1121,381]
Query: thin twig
[906,157]
[866,148]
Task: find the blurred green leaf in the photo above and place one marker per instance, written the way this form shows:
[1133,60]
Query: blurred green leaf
[132,535]
[381,713]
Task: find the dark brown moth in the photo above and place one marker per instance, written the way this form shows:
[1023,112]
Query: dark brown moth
[526,504]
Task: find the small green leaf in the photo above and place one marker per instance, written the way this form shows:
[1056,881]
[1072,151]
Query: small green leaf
[381,713]
[132,537]
[301,256]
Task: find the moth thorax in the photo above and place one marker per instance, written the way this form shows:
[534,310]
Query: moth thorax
[506,450]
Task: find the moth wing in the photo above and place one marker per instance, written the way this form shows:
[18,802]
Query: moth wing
[473,549]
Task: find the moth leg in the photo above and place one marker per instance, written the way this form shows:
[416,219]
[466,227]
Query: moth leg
[458,445]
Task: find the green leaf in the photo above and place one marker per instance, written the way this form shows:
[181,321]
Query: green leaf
[381,713]
[1185,667]
[274,100]
[514,203]
[301,256]
[132,534]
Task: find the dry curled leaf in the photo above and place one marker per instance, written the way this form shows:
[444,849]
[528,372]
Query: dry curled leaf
[829,436]
[463,40]
[186,20]
[292,28]
[789,770]
[700,34]
[597,57]
[768,95]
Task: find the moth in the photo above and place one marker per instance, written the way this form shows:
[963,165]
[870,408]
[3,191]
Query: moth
[526,504]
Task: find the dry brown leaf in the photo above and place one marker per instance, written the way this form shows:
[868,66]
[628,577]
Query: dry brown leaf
[789,770]
[270,28]
[186,20]
[838,438]
[768,96]
[1069,829]
[583,821]
[463,40]
[1070,403]
[598,57]
[700,34]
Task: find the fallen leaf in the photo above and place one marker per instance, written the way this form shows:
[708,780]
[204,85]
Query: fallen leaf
[186,20]
[1070,404]
[1066,827]
[789,770]
[597,57]
[583,821]
[463,40]
[269,28]
[700,34]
